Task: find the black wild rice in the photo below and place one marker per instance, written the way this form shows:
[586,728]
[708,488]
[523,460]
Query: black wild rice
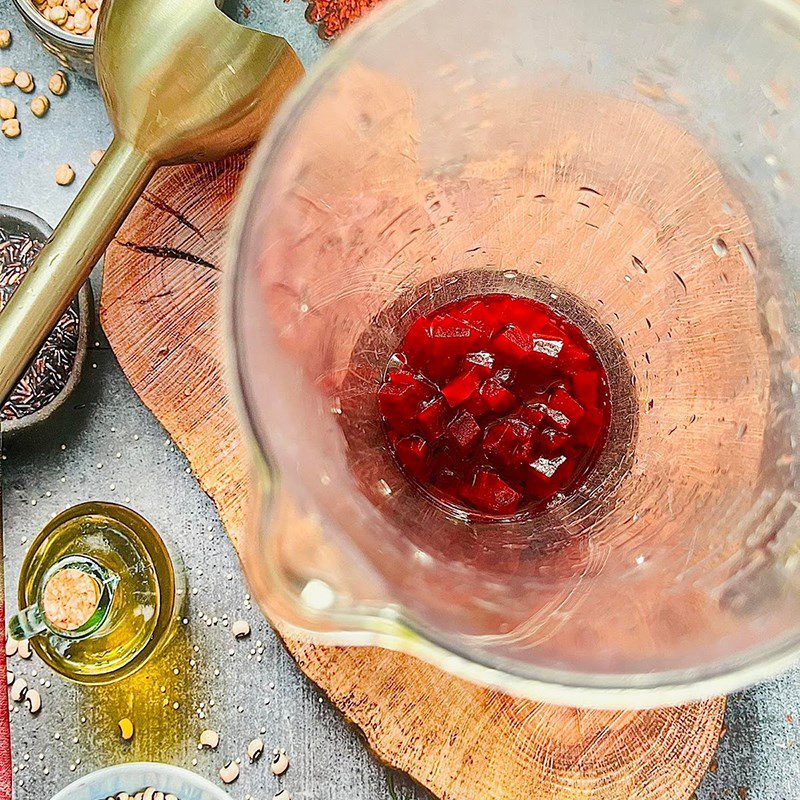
[49,371]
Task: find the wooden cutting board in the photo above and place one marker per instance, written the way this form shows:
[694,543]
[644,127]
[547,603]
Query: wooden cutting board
[160,310]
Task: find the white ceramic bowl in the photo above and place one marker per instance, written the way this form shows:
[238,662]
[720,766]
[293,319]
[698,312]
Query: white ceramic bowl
[132,777]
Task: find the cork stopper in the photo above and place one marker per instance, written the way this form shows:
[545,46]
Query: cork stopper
[70,598]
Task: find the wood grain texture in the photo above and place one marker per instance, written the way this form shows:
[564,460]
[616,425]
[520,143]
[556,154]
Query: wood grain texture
[160,311]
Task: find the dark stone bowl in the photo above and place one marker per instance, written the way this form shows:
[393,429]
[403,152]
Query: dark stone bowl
[19,222]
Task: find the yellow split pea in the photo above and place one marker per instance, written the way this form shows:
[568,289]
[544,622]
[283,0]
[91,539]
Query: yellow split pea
[65,175]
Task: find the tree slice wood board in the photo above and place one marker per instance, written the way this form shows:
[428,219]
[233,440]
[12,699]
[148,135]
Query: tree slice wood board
[160,311]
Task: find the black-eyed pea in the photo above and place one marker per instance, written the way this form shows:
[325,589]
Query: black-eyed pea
[33,700]
[11,128]
[255,749]
[209,739]
[229,773]
[280,762]
[19,689]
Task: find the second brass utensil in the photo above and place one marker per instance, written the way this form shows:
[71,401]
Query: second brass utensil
[182,83]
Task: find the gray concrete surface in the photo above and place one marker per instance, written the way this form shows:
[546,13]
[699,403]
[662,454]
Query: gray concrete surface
[74,458]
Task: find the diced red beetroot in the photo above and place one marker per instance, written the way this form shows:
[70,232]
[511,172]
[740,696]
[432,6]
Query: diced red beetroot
[525,385]
[412,453]
[462,386]
[531,316]
[497,397]
[564,411]
[592,426]
[512,343]
[482,361]
[452,337]
[448,483]
[464,432]
[554,442]
[532,414]
[490,493]
[545,476]
[574,358]
[475,404]
[504,376]
[480,314]
[508,442]
[586,387]
[433,418]
[402,393]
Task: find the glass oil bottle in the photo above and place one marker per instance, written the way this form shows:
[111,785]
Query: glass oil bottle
[100,593]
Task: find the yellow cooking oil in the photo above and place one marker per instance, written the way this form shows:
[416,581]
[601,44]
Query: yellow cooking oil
[100,593]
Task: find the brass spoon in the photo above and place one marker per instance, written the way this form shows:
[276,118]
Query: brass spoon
[181,83]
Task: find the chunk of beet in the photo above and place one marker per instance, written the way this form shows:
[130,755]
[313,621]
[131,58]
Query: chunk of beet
[533,414]
[590,431]
[402,394]
[553,441]
[546,476]
[508,442]
[481,360]
[452,337]
[513,343]
[564,411]
[497,397]
[476,405]
[490,493]
[464,432]
[412,453]
[462,386]
[586,388]
[433,417]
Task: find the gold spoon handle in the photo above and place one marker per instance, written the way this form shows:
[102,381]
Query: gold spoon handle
[68,257]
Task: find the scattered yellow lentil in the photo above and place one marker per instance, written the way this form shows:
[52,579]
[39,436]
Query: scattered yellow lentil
[5,38]
[7,76]
[95,156]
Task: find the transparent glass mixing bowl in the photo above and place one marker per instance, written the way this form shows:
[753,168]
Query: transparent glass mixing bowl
[637,166]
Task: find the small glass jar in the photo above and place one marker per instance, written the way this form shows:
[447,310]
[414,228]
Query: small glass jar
[100,593]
